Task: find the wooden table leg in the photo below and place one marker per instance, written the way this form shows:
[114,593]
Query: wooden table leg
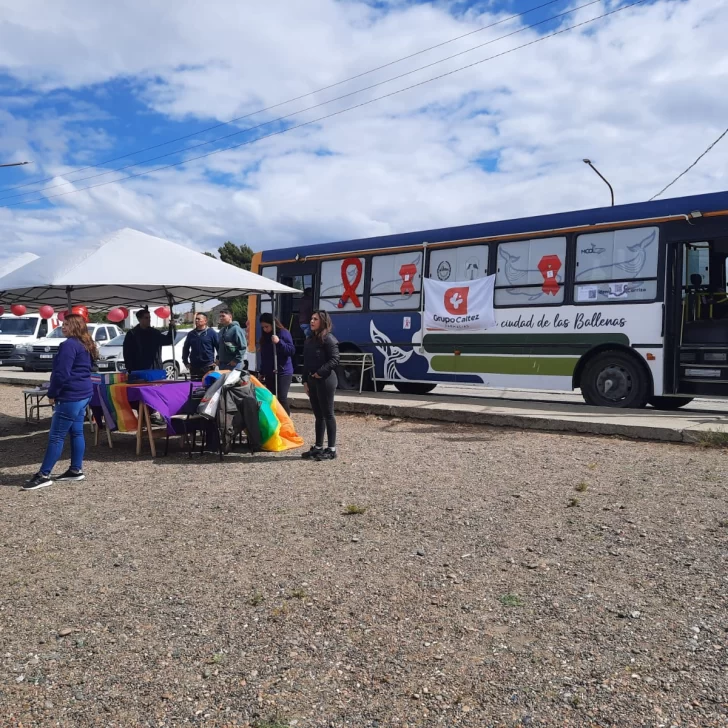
[140,424]
[148,422]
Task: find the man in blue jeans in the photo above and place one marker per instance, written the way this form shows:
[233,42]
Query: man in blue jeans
[70,391]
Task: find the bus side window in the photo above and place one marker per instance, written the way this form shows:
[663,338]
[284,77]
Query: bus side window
[617,266]
[530,272]
[264,302]
[465,263]
[396,281]
[342,284]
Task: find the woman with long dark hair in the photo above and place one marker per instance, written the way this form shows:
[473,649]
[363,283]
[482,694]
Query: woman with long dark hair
[320,359]
[285,350]
[70,391]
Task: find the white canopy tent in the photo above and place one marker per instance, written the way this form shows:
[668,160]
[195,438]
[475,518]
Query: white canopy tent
[127,268]
[17,262]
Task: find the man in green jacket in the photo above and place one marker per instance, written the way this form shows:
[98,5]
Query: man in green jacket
[233,345]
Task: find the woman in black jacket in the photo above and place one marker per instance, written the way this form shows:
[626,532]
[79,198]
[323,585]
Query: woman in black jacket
[320,359]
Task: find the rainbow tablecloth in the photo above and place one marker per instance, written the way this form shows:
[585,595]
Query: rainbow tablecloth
[116,402]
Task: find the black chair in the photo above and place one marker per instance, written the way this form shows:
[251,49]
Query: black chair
[190,421]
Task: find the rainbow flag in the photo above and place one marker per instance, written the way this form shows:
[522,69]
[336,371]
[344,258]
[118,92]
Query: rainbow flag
[117,410]
[276,428]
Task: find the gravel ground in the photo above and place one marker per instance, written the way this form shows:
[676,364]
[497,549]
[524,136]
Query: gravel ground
[494,578]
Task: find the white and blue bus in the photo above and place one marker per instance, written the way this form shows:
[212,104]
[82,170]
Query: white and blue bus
[634,308]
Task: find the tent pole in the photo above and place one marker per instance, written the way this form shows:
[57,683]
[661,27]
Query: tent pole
[275,348]
[170,301]
[68,298]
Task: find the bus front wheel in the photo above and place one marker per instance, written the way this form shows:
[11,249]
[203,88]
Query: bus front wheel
[615,379]
[414,387]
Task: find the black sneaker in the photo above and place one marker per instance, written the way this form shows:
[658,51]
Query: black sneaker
[38,481]
[312,453]
[71,475]
[327,454]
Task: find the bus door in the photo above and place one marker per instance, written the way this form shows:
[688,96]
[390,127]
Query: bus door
[697,309]
[301,276]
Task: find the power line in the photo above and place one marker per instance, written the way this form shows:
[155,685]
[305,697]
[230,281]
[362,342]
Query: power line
[289,101]
[337,113]
[300,111]
[666,187]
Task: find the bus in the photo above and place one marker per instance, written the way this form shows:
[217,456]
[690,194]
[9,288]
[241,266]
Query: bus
[628,304]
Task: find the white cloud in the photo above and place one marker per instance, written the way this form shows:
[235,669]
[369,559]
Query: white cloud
[638,93]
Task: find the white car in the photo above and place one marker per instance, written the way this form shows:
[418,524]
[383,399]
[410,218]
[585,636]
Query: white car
[39,354]
[111,356]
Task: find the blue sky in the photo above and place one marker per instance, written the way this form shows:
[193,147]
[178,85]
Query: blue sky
[82,82]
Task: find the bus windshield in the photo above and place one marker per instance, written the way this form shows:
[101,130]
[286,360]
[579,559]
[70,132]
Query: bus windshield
[17,327]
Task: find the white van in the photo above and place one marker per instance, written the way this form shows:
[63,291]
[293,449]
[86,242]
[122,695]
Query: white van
[17,332]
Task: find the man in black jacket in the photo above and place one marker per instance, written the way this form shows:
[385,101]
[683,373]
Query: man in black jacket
[143,344]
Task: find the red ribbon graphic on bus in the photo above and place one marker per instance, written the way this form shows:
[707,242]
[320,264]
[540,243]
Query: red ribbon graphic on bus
[549,266]
[407,273]
[349,293]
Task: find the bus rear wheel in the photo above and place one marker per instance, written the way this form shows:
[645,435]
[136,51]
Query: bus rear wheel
[414,387]
[615,379]
[669,403]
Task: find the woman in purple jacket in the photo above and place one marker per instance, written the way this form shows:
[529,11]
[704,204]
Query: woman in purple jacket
[285,348]
[70,390]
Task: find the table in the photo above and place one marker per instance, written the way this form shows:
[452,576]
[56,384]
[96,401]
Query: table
[113,405]
[33,400]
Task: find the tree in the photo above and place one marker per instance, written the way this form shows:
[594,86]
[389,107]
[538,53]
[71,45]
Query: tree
[97,317]
[241,256]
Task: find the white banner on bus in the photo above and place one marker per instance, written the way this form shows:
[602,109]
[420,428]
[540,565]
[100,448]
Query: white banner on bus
[464,306]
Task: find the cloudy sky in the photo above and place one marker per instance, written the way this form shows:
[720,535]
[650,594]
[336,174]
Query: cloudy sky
[641,92]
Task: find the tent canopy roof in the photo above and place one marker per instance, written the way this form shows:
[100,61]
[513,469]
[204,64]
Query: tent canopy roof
[17,262]
[128,268]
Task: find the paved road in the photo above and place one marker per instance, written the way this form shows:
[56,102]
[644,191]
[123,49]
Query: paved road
[452,390]
[571,398]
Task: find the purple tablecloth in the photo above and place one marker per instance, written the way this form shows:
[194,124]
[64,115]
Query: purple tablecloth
[167,398]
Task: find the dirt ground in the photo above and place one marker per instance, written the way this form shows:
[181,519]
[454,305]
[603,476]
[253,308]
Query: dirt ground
[433,575]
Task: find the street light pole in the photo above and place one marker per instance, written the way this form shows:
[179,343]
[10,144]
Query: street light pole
[14,164]
[606,181]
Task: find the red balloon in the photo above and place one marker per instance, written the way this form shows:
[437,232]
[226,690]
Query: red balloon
[116,315]
[125,311]
[2,310]
[46,312]
[62,316]
[163,312]
[18,309]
